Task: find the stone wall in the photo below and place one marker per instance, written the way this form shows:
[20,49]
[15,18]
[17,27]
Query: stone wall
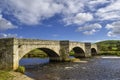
[6,53]
[87,49]
[95,47]
[26,45]
[64,50]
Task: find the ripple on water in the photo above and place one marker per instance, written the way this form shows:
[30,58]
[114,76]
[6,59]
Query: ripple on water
[95,69]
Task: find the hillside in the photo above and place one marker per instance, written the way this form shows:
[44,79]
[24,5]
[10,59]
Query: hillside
[109,45]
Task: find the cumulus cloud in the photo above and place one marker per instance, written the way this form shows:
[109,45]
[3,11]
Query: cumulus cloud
[33,11]
[79,18]
[93,4]
[89,32]
[83,17]
[90,29]
[114,29]
[72,6]
[3,35]
[5,24]
[110,12]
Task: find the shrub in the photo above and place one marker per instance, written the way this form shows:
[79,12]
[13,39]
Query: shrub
[21,69]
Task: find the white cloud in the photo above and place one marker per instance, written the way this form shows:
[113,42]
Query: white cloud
[98,1]
[5,24]
[3,35]
[114,29]
[79,18]
[90,29]
[32,12]
[72,6]
[73,11]
[82,17]
[110,12]
[89,32]
[93,4]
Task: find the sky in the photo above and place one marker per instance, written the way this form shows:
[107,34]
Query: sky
[74,20]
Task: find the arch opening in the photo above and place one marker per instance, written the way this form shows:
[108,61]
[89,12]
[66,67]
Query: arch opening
[78,52]
[93,52]
[38,56]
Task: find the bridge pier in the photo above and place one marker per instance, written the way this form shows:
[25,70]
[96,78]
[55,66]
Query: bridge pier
[6,53]
[64,50]
[88,50]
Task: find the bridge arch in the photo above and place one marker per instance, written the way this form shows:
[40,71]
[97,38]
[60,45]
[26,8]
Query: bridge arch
[53,55]
[93,51]
[78,51]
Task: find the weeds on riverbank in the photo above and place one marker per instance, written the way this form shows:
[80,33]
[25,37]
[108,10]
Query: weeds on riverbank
[5,75]
[21,69]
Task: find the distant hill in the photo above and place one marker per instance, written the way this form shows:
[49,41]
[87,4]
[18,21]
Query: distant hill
[109,45]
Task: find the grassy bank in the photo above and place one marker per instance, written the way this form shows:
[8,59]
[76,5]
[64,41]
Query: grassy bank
[5,75]
[112,53]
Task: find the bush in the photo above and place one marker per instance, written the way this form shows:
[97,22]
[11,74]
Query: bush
[21,69]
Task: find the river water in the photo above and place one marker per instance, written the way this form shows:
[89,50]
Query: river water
[97,68]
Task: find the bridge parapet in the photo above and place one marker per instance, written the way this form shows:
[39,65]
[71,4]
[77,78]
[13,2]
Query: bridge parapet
[37,42]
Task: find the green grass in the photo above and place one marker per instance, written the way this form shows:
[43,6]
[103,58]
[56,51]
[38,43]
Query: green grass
[113,53]
[5,75]
[21,69]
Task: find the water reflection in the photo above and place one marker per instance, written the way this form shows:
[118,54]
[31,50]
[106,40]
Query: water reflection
[33,61]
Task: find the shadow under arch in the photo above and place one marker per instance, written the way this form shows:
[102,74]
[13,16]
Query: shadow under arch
[93,51]
[51,55]
[78,52]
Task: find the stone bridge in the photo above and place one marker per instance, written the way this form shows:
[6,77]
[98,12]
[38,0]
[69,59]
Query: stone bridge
[12,50]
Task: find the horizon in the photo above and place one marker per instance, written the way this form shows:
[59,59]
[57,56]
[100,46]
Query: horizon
[58,40]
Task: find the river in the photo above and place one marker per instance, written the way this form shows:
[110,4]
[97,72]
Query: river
[97,68]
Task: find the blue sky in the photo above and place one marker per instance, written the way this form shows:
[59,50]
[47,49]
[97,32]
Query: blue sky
[75,20]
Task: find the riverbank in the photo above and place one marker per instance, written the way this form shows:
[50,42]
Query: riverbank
[19,76]
[11,75]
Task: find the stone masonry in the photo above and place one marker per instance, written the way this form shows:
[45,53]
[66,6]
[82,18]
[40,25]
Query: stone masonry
[13,49]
